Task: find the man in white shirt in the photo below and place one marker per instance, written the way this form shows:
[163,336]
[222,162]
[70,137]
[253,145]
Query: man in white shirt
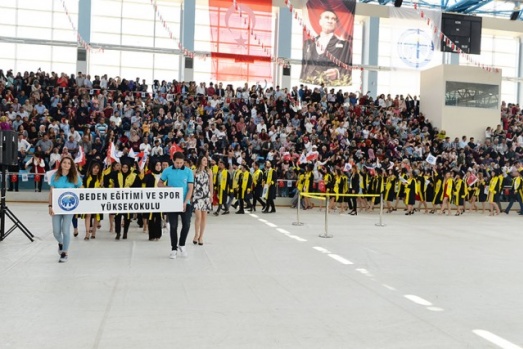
[116,119]
[157,149]
[261,126]
[11,114]
[22,143]
[145,146]
[76,136]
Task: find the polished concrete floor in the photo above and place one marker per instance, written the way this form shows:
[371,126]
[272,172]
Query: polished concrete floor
[422,281]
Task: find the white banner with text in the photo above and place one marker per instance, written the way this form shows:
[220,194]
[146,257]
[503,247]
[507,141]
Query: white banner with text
[117,200]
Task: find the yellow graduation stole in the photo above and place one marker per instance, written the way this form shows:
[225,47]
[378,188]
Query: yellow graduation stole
[215,170]
[269,177]
[256,177]
[223,183]
[90,179]
[299,183]
[245,181]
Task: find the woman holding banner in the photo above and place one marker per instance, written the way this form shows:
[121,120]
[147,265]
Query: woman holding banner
[65,177]
[151,181]
[93,179]
[122,179]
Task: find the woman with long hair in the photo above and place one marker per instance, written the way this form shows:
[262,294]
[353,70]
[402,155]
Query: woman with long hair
[93,179]
[202,197]
[65,177]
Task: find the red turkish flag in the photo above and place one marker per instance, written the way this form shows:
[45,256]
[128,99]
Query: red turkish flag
[175,148]
[236,55]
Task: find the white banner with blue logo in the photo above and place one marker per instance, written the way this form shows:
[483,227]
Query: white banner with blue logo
[414,42]
[117,200]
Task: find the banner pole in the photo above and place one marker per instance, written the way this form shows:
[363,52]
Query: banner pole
[298,223]
[326,234]
[380,224]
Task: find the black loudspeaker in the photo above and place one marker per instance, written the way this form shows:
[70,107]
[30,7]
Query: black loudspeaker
[81,55]
[398,3]
[189,63]
[8,148]
[286,71]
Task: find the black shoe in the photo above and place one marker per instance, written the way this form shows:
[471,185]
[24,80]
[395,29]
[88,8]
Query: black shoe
[225,212]
[272,211]
[9,189]
[216,213]
[117,236]
[124,236]
[195,242]
[240,212]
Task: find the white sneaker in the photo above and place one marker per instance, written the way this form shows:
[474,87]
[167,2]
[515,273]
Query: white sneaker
[63,258]
[183,251]
[172,255]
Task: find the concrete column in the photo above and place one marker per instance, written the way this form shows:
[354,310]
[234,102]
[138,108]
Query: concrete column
[371,33]
[283,48]
[188,24]
[84,29]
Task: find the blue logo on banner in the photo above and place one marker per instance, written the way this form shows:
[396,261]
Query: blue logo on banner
[68,201]
[415,48]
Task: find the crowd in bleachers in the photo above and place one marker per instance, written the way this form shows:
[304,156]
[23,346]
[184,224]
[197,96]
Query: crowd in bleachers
[316,138]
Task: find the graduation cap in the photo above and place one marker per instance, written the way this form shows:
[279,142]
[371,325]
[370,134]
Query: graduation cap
[94,162]
[126,160]
[166,158]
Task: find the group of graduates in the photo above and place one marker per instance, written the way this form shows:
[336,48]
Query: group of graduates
[247,188]
[125,174]
[234,185]
[435,188]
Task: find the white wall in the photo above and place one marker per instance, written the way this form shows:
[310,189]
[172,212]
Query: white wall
[457,121]
[432,96]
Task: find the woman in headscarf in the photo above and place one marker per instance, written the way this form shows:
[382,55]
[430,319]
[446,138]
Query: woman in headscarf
[151,181]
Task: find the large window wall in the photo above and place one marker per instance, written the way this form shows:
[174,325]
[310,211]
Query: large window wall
[501,52]
[137,44]
[133,23]
[38,20]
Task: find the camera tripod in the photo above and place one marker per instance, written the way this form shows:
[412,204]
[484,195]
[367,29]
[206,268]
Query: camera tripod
[5,211]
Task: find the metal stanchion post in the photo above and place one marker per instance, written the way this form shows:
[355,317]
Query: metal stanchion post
[380,224]
[326,234]
[298,223]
